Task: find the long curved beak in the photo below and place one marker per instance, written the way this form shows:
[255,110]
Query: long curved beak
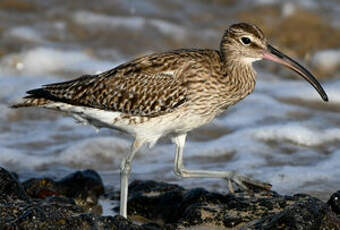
[279,57]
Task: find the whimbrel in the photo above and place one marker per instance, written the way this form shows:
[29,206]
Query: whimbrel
[169,93]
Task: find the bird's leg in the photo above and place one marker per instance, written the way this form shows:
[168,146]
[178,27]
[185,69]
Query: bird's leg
[230,176]
[125,170]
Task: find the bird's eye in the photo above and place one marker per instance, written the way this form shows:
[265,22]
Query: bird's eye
[245,40]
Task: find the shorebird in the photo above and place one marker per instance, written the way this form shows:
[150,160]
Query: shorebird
[169,94]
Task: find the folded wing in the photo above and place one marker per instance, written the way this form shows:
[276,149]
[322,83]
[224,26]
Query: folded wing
[139,88]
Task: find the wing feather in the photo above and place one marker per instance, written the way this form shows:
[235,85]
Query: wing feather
[140,87]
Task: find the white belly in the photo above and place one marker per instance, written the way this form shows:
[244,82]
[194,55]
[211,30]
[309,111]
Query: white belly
[147,129]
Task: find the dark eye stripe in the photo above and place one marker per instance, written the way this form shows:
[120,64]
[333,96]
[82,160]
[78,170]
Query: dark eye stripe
[253,45]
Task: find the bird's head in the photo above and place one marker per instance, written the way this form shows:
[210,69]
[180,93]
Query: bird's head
[245,43]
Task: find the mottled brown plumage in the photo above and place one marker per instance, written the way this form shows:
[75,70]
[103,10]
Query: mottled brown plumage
[157,84]
[169,93]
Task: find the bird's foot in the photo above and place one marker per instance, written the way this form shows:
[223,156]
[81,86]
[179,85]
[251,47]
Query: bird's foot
[245,183]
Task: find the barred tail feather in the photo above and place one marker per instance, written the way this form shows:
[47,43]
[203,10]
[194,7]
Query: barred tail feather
[30,101]
[36,97]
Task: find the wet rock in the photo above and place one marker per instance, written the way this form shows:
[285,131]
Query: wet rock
[306,212]
[152,198]
[46,206]
[83,186]
[177,208]
[40,187]
[43,204]
[10,188]
[334,202]
[19,211]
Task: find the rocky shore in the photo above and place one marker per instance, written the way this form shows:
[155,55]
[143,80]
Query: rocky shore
[72,203]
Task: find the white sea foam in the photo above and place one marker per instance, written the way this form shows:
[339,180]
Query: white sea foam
[301,3]
[24,33]
[100,20]
[297,133]
[93,20]
[42,61]
[327,60]
[19,160]
[168,28]
[99,153]
[290,178]
[258,107]
[288,89]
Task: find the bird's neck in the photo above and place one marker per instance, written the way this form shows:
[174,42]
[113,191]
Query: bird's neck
[239,72]
[235,68]
[239,77]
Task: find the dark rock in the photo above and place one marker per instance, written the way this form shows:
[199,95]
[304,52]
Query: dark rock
[150,186]
[41,187]
[306,213]
[50,204]
[152,199]
[122,223]
[334,202]
[81,183]
[15,175]
[46,205]
[175,206]
[83,186]
[154,226]
[50,213]
[10,188]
